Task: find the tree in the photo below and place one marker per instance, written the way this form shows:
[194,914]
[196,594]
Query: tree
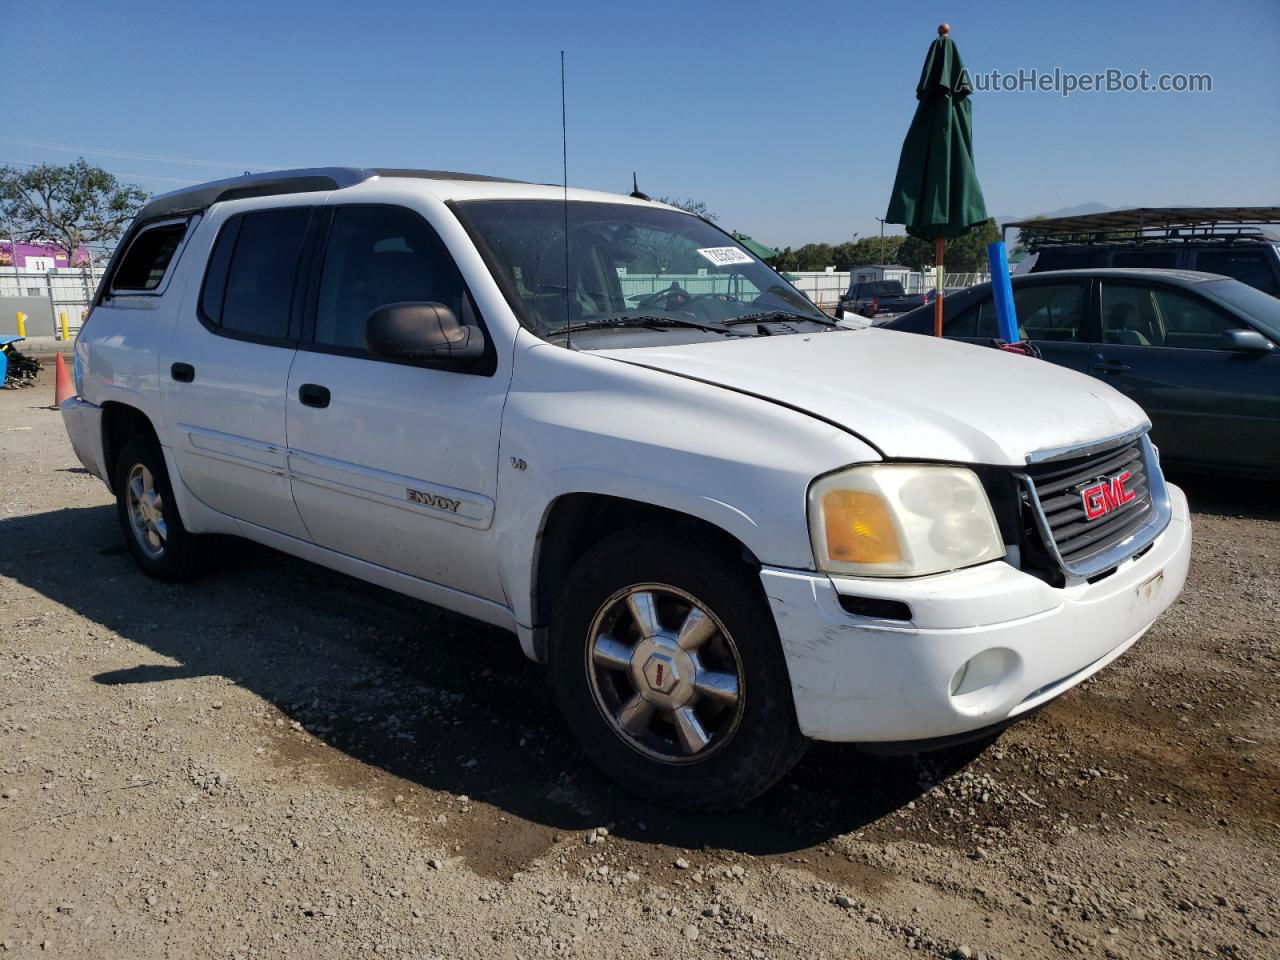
[968,254]
[1025,234]
[71,206]
[696,207]
[915,253]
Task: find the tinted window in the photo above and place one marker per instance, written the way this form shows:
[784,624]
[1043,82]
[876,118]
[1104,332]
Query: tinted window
[1067,259]
[978,321]
[1161,317]
[1248,266]
[1167,259]
[1048,312]
[379,255]
[215,277]
[147,258]
[263,250]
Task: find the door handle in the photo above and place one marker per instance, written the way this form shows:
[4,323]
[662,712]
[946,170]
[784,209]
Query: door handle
[1102,365]
[313,395]
[183,372]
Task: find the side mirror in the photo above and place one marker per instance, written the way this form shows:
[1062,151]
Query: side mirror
[1245,341]
[420,331]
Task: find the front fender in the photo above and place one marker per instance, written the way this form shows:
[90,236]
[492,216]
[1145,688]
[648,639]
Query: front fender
[579,423]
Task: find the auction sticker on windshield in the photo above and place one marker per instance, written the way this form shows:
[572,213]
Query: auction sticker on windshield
[724,256]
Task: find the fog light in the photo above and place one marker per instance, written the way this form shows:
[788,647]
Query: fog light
[982,682]
[958,679]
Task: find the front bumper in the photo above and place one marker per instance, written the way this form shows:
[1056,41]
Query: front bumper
[83,421]
[858,678]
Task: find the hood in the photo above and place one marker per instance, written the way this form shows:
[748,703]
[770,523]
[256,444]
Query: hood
[911,396]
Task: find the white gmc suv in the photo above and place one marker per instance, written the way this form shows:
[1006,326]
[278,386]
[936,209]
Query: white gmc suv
[727,524]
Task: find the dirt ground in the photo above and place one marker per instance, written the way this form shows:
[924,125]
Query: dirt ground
[278,761]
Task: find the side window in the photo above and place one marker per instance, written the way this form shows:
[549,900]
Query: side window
[978,321]
[375,256]
[1049,312]
[1161,317]
[1248,266]
[249,282]
[1155,259]
[1051,259]
[145,262]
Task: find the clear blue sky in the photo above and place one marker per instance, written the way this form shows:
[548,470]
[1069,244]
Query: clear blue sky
[785,119]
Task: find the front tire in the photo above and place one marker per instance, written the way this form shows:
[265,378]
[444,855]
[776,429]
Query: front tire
[668,668]
[148,513]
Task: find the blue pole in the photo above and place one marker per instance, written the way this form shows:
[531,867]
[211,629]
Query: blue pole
[1002,289]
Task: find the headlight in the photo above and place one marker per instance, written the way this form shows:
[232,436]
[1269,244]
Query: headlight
[901,520]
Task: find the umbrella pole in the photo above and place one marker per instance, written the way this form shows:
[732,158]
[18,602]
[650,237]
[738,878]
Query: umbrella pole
[937,275]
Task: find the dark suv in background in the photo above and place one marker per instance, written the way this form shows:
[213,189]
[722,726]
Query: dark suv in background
[1238,242]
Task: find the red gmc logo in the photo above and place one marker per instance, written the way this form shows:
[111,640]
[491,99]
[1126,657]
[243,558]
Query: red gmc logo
[1106,495]
[658,679]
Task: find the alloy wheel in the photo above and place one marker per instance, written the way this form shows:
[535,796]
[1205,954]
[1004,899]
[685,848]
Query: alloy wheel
[146,511]
[665,673]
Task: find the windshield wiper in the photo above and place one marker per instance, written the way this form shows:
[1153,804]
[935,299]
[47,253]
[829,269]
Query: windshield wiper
[640,320]
[770,315]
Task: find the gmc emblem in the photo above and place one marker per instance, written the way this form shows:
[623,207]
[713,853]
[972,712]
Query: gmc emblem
[1106,495]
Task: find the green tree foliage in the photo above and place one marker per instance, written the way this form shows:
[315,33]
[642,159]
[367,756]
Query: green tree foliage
[968,254]
[689,205]
[70,205]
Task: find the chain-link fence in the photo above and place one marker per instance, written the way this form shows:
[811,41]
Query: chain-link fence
[45,297]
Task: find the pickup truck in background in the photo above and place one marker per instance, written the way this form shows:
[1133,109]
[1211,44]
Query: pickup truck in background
[870,298]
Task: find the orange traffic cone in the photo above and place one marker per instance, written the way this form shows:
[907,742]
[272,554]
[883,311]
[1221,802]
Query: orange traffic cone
[63,388]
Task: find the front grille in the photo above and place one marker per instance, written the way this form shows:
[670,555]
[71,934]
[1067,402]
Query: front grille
[1085,547]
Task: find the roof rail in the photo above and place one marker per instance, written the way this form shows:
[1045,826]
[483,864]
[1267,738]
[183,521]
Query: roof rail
[204,195]
[277,182]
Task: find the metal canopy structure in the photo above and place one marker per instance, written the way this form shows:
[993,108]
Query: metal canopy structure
[1152,223]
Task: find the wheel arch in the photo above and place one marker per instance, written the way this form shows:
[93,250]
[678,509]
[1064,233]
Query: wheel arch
[120,421]
[573,523]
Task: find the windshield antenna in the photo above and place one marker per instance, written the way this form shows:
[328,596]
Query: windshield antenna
[564,161]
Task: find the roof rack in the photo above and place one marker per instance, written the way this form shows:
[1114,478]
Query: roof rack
[1142,225]
[279,182]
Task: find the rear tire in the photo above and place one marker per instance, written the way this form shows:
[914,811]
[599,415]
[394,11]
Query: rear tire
[668,668]
[148,513]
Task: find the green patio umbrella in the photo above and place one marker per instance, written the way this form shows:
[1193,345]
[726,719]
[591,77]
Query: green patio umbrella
[759,249]
[936,193]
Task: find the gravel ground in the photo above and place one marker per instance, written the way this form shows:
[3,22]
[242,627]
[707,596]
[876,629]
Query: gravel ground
[277,761]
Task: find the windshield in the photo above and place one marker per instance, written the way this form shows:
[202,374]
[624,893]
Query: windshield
[1262,307]
[631,266]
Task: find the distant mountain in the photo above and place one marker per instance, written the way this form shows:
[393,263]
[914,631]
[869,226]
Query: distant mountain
[1080,209]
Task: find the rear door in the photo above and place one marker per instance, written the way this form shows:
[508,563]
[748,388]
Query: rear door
[1052,315]
[1161,346]
[225,366]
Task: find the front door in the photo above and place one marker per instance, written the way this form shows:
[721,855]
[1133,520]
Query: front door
[225,366]
[1162,347]
[393,463]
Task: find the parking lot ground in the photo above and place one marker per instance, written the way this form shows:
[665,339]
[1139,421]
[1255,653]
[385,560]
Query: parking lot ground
[278,761]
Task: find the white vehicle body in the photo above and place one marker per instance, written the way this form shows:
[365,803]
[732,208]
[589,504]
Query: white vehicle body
[443,486]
